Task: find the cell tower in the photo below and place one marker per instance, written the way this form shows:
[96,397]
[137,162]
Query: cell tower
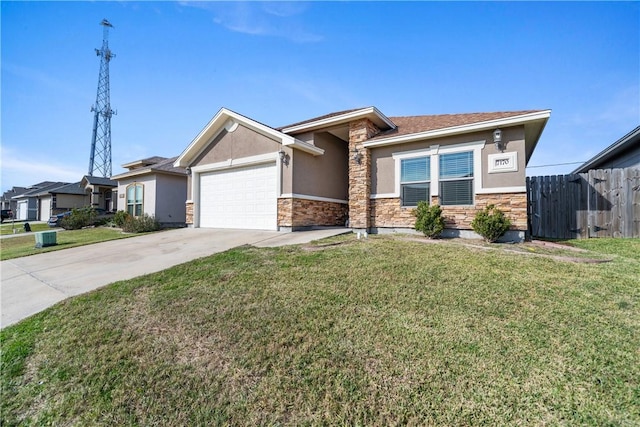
[100,159]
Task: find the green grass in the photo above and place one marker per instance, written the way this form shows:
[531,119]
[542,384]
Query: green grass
[629,248]
[15,247]
[18,228]
[361,332]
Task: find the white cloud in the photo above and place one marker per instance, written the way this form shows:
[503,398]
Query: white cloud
[273,19]
[19,170]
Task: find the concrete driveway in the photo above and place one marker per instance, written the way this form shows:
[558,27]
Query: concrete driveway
[33,283]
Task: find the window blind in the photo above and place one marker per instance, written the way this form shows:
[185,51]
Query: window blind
[456,165]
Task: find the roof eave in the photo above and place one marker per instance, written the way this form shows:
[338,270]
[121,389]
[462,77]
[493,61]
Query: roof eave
[610,151]
[372,113]
[227,119]
[529,119]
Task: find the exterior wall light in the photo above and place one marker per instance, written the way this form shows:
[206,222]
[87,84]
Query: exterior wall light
[188,169]
[497,139]
[283,157]
[357,157]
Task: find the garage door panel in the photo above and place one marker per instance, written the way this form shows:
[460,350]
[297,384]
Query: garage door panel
[239,198]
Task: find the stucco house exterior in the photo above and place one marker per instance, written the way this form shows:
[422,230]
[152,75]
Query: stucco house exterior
[102,191]
[361,169]
[27,202]
[156,187]
[624,153]
[60,199]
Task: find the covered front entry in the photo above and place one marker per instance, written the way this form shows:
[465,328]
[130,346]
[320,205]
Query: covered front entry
[244,197]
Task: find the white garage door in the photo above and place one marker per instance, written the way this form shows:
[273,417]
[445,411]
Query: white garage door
[23,210]
[240,198]
[45,209]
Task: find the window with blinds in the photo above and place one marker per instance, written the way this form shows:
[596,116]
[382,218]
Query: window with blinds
[415,175]
[456,178]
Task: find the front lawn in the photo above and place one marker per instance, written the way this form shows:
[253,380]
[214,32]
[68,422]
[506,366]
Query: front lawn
[18,227]
[14,247]
[382,331]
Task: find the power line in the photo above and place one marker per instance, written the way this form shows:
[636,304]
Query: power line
[555,164]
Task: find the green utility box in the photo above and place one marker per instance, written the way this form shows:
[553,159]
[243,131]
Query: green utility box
[46,238]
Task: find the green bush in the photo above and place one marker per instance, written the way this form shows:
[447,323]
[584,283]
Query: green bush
[79,218]
[120,218]
[140,224]
[490,223]
[429,219]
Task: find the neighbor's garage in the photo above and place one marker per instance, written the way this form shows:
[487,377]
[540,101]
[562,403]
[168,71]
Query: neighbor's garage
[244,197]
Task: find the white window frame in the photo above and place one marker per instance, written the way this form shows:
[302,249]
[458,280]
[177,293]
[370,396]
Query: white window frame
[135,203]
[400,183]
[434,153]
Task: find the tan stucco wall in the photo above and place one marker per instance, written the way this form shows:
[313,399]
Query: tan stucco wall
[70,201]
[323,176]
[383,164]
[148,195]
[243,142]
[515,142]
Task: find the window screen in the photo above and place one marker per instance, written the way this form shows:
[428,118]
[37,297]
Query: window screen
[456,178]
[415,175]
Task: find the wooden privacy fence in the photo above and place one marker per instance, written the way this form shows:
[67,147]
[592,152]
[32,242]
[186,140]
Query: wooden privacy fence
[600,203]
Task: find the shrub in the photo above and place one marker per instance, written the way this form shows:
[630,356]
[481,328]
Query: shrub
[120,218]
[429,219]
[140,224]
[490,223]
[79,218]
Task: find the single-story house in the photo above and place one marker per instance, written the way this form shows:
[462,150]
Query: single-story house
[360,169]
[61,199]
[7,200]
[623,153]
[102,191]
[28,202]
[156,187]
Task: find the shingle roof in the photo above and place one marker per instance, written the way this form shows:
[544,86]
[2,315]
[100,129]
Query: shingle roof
[407,125]
[166,165]
[326,116]
[74,188]
[98,180]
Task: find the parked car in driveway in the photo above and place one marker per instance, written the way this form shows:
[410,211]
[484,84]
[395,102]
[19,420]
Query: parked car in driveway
[6,214]
[102,215]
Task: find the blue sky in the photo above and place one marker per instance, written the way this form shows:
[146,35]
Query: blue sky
[178,63]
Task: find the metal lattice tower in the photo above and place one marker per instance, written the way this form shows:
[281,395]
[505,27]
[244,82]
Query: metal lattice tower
[100,159]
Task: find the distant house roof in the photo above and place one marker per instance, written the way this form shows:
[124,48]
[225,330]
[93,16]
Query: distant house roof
[143,162]
[144,166]
[98,180]
[74,188]
[40,190]
[7,195]
[628,145]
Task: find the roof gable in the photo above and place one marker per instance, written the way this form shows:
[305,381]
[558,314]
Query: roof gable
[229,120]
[630,140]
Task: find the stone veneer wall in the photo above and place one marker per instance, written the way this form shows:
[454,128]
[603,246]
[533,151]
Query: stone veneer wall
[189,218]
[389,213]
[360,173]
[308,213]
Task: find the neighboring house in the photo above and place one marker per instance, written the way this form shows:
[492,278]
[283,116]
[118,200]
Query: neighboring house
[60,199]
[156,187]
[361,169]
[102,191]
[7,201]
[623,153]
[28,202]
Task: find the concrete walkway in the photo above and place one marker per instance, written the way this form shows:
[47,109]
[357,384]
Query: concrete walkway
[34,283]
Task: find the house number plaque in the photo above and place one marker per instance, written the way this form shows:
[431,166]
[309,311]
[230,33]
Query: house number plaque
[503,162]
